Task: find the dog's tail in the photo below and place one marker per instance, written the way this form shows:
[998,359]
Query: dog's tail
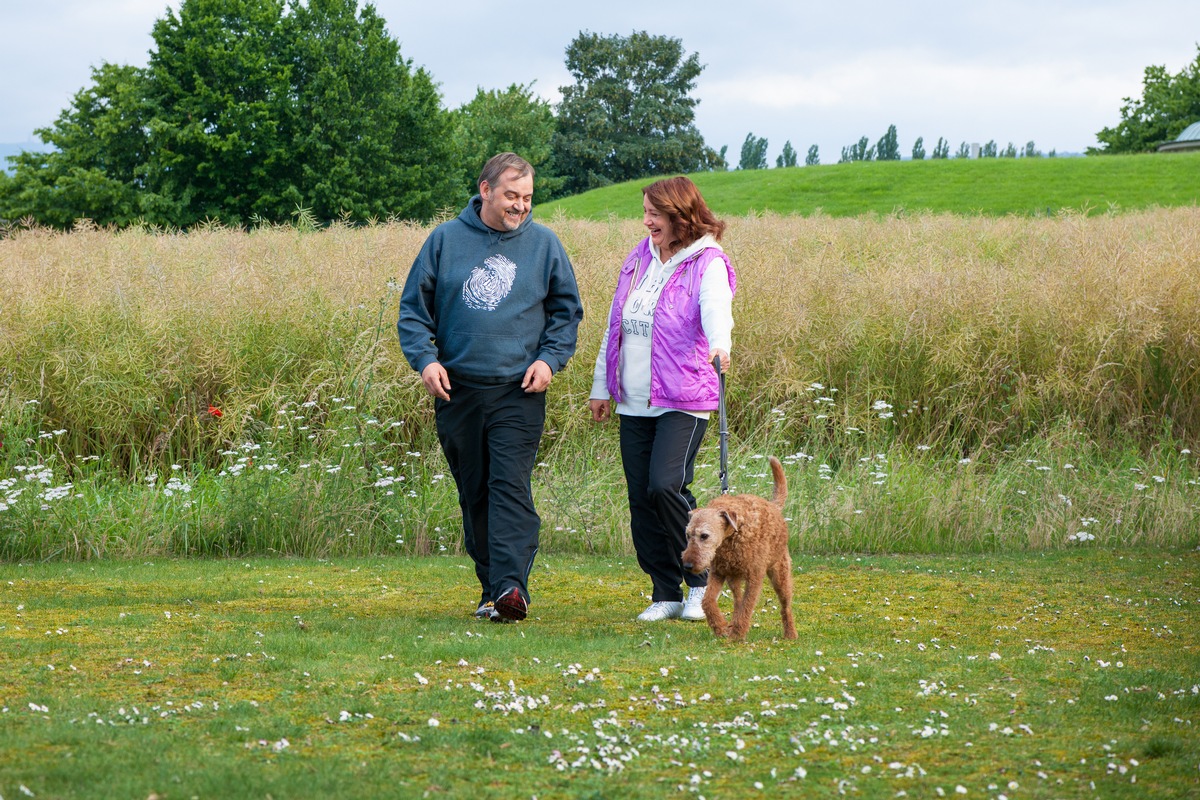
[779,494]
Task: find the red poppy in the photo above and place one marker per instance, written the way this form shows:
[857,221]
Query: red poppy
[214,411]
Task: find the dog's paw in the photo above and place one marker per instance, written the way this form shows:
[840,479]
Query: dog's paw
[737,633]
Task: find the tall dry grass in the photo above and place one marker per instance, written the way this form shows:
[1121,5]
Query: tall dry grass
[979,332]
[126,339]
[954,350]
[985,330]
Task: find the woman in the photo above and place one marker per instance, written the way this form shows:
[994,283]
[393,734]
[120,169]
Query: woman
[670,316]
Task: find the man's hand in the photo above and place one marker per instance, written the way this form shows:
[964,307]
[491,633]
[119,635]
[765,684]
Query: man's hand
[601,410]
[436,381]
[537,377]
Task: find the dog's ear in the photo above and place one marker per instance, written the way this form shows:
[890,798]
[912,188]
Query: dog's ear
[730,518]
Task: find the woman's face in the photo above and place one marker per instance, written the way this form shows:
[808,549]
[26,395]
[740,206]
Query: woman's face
[658,224]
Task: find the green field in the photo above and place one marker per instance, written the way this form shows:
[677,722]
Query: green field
[1062,675]
[992,186]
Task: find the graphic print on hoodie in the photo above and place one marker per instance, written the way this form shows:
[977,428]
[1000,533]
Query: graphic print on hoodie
[488,285]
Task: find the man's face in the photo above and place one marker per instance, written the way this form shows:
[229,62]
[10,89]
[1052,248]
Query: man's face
[508,202]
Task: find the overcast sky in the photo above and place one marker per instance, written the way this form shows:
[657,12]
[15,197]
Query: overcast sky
[1051,71]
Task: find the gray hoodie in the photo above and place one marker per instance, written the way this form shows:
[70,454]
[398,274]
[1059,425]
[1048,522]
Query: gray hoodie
[486,304]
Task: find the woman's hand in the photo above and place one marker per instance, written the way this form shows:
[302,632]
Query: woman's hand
[601,410]
[724,358]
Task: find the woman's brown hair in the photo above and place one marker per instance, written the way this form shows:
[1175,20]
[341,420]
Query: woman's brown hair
[681,202]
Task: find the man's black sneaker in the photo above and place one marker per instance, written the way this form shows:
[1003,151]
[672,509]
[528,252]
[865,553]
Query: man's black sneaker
[511,606]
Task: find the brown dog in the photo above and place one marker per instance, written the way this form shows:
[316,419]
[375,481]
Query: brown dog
[740,539]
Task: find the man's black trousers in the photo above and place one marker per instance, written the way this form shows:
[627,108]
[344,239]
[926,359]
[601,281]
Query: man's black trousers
[490,436]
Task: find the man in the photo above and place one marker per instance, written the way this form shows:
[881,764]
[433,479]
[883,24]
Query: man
[488,315]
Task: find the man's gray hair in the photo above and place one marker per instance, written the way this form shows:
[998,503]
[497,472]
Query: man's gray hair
[498,164]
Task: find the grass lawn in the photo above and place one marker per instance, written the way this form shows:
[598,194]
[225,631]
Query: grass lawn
[990,186]
[1068,674]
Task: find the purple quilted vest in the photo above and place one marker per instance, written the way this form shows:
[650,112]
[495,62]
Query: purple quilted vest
[681,375]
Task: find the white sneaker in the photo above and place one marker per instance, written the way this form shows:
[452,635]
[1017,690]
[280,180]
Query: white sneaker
[691,606]
[663,609]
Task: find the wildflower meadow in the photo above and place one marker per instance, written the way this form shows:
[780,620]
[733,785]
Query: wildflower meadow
[933,383]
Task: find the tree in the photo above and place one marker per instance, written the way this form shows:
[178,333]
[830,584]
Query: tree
[788,157]
[888,146]
[863,152]
[1169,103]
[941,149]
[918,152]
[964,151]
[754,153]
[219,83]
[513,120]
[813,158]
[629,113]
[722,157]
[1009,152]
[368,135]
[249,111]
[96,169]
[859,151]
[1031,150]
[989,150]
[266,112]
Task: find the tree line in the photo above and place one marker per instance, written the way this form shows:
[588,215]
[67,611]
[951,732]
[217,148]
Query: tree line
[887,148]
[265,111]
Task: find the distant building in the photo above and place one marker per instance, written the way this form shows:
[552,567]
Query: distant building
[1188,140]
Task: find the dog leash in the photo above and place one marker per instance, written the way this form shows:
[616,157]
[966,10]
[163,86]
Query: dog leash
[724,426]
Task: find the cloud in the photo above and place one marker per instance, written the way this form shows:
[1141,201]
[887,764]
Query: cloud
[1011,69]
[897,78]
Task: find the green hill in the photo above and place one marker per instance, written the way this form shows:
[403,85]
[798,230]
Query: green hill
[992,186]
